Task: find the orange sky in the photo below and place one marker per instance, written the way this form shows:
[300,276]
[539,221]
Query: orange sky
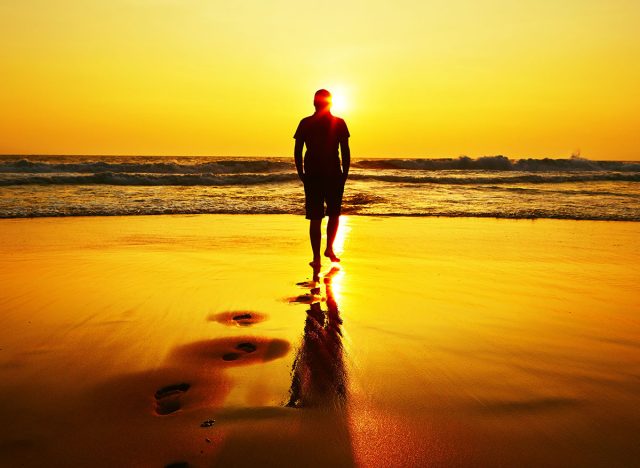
[428,78]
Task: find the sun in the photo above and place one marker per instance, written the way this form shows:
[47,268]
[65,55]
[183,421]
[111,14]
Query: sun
[339,100]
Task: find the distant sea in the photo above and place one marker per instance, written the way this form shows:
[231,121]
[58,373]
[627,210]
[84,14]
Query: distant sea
[493,186]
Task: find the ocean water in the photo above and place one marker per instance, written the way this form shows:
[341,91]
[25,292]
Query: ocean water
[495,186]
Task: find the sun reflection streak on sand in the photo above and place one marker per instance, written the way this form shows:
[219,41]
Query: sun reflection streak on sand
[334,281]
[342,235]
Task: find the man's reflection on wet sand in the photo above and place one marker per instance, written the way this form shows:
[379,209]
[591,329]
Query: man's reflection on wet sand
[319,381]
[318,374]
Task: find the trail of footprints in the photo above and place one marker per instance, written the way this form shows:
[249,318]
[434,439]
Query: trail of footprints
[168,398]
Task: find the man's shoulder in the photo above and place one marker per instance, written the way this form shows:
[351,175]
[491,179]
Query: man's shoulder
[341,125]
[306,119]
[339,122]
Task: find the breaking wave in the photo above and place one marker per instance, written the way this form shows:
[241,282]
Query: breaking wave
[499,163]
[212,179]
[476,179]
[111,178]
[148,166]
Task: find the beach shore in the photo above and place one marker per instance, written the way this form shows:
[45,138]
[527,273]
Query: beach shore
[204,341]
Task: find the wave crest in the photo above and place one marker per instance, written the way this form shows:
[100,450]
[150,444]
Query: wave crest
[219,166]
[110,178]
[498,163]
[502,179]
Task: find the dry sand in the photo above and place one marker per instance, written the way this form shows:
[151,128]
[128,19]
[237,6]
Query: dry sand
[440,342]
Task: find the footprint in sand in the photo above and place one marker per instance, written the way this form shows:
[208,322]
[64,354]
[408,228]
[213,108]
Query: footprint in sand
[234,351]
[239,318]
[309,298]
[168,398]
[245,347]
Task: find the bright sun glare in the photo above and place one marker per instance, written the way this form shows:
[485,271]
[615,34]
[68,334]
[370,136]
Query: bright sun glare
[339,102]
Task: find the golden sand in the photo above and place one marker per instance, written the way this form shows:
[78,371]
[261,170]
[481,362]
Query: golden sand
[439,342]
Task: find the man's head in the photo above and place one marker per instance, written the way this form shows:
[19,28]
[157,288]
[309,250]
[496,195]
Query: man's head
[322,100]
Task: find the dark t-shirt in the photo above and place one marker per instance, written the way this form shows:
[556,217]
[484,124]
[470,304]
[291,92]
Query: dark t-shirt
[322,134]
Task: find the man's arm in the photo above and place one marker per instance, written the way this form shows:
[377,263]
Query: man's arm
[345,151]
[297,156]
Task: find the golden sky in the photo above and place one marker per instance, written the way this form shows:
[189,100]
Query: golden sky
[427,78]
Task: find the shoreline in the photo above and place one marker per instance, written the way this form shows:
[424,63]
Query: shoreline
[301,215]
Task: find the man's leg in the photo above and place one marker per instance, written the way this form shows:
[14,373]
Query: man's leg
[315,236]
[332,230]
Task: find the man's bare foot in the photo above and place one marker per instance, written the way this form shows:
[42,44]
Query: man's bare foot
[315,263]
[332,256]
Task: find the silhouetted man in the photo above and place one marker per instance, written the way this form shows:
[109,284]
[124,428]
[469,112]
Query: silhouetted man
[322,174]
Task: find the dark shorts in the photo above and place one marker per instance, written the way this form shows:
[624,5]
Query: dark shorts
[321,190]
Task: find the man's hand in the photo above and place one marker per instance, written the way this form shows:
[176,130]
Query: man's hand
[346,158]
[297,156]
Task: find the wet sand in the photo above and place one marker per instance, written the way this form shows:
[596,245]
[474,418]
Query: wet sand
[204,341]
